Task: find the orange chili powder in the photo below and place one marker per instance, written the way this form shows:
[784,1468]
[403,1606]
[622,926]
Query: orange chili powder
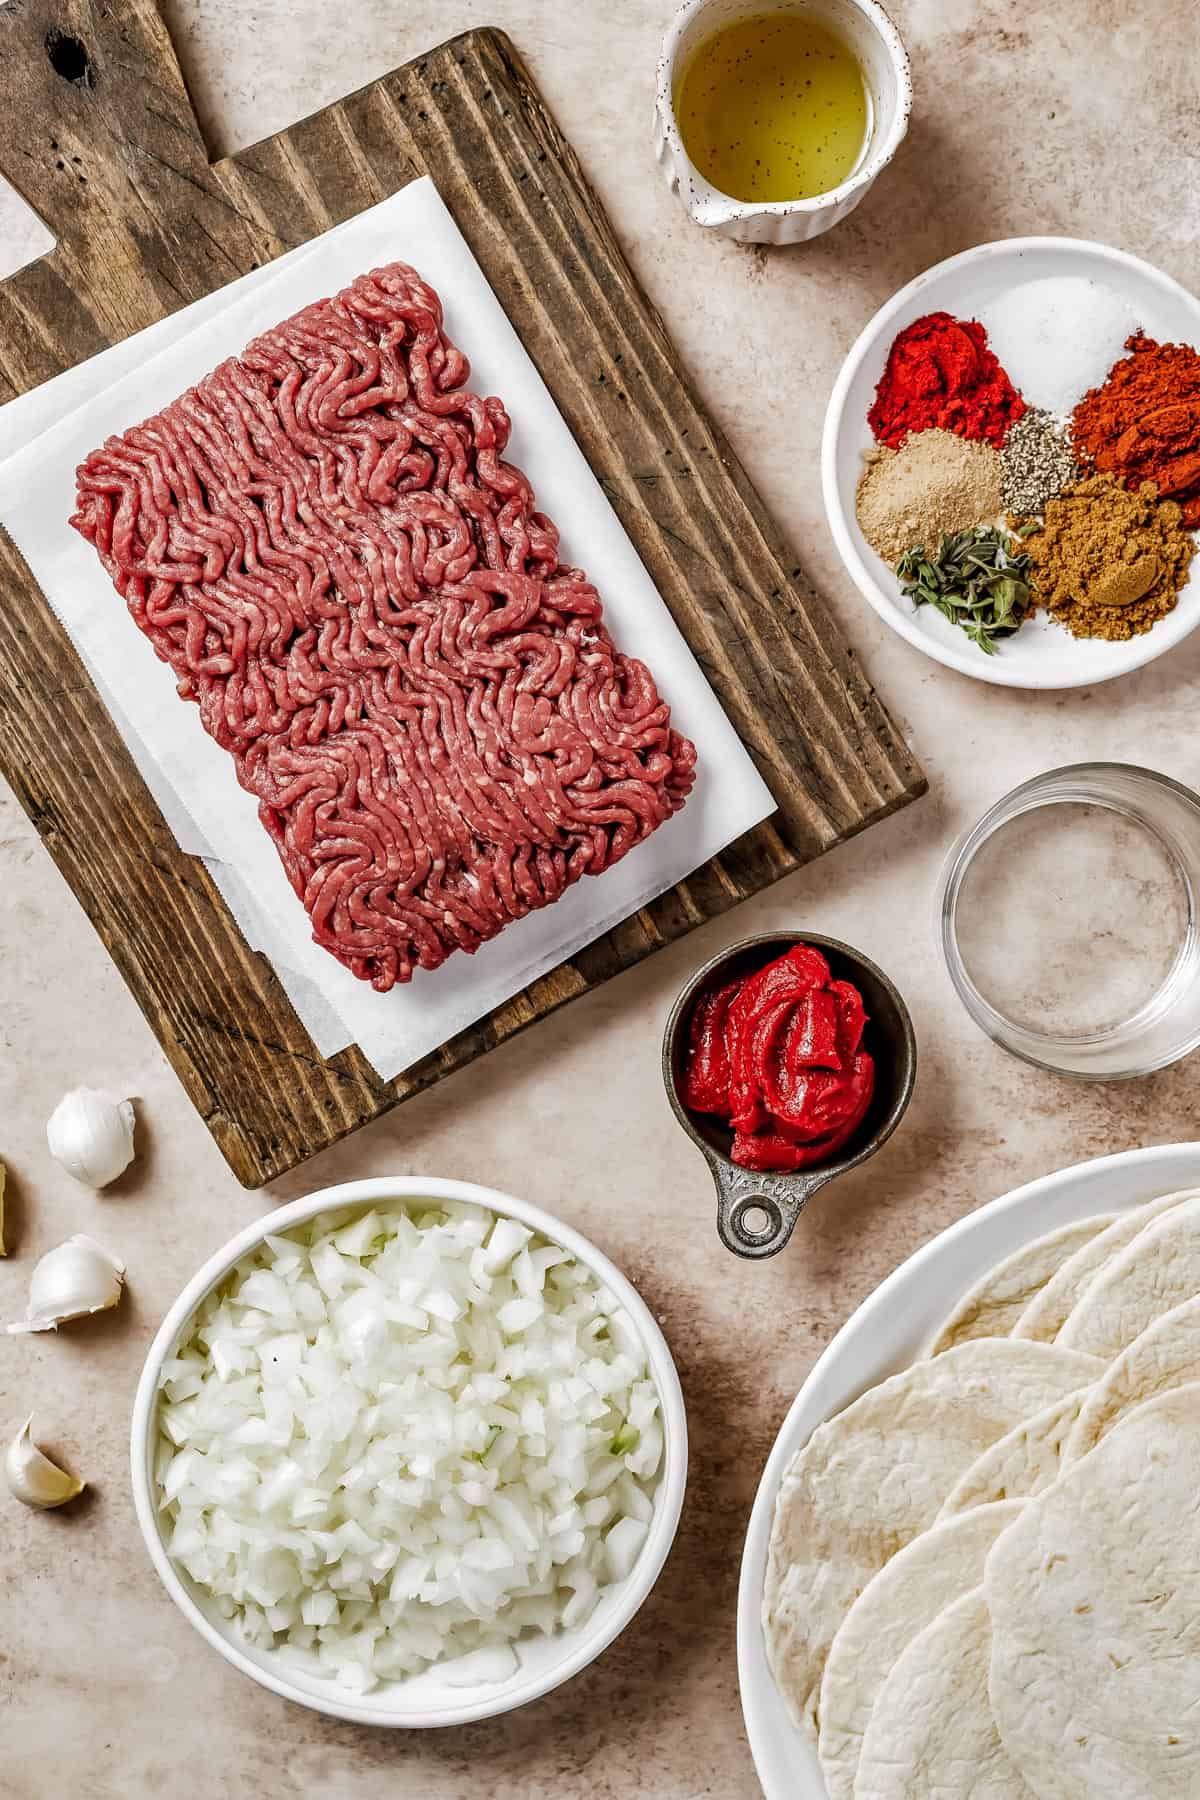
[1143,422]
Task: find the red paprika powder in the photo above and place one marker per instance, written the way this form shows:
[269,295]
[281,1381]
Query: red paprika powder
[1143,422]
[941,373]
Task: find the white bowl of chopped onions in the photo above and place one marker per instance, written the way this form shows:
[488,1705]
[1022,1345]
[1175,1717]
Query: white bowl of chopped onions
[409,1452]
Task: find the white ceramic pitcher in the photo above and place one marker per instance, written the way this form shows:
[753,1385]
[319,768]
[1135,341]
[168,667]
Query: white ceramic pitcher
[866,28]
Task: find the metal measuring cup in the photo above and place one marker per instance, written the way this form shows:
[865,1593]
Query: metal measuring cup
[757,1212]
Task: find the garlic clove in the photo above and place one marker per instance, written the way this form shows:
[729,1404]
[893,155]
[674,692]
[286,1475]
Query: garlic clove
[91,1135]
[78,1277]
[32,1478]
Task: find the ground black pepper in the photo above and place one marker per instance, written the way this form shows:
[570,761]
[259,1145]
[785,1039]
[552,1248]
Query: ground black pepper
[1038,463]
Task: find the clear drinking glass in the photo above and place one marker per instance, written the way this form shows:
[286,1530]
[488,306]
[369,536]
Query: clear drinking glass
[1069,921]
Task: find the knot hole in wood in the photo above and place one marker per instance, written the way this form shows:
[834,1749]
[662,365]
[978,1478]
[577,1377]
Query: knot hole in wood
[69,58]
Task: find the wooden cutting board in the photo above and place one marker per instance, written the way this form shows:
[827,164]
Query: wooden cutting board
[98,134]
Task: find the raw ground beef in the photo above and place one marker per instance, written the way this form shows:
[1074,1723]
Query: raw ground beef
[323,542]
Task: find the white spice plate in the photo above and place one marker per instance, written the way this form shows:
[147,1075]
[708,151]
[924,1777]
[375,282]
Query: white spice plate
[1040,654]
[890,1330]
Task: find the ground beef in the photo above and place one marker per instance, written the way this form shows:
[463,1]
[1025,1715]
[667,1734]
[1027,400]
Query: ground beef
[323,542]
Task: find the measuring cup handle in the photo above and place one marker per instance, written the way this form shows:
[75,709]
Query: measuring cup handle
[779,1198]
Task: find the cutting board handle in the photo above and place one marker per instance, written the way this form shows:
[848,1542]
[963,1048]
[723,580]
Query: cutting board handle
[98,135]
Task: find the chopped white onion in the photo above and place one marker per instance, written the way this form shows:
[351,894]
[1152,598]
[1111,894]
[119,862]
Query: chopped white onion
[397,1438]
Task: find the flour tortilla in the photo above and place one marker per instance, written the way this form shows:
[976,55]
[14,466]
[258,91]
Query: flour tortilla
[908,1593]
[1159,1270]
[1095,1600]
[1164,1357]
[992,1307]
[1048,1311]
[932,1734]
[872,1477]
[1022,1462]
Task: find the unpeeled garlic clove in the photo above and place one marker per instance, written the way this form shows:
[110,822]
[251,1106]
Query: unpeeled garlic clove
[78,1277]
[91,1136]
[32,1478]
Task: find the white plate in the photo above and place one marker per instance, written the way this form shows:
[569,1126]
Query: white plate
[886,1333]
[1040,655]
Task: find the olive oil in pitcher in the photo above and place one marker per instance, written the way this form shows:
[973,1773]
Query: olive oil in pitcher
[774,107]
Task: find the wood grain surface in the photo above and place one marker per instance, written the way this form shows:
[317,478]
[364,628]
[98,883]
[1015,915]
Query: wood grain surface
[98,134]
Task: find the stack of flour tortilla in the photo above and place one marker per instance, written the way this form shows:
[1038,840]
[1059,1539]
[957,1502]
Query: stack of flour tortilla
[984,1575]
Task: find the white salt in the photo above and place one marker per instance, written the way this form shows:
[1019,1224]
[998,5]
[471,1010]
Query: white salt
[1058,337]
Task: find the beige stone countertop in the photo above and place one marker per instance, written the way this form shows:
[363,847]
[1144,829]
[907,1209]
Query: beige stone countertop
[1076,117]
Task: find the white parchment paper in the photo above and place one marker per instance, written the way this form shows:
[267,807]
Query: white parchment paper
[194,779]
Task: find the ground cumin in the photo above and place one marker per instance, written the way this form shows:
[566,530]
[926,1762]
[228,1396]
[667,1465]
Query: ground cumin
[1091,559]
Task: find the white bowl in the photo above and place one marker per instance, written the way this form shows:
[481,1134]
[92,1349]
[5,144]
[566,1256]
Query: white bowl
[880,50]
[426,1699]
[1041,654]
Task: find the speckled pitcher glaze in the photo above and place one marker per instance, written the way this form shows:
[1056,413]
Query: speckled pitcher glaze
[876,43]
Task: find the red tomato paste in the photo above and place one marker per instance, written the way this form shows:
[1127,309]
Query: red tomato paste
[778,1056]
